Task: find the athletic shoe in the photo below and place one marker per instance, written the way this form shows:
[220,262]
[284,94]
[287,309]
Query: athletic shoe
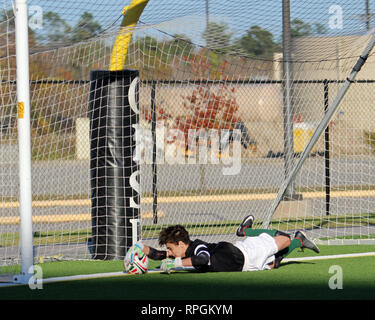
[246,223]
[306,243]
[277,262]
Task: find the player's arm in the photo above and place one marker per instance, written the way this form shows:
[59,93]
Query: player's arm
[196,261]
[155,254]
[152,253]
[200,258]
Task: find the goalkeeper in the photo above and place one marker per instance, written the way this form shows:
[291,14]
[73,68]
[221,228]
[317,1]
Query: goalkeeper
[260,250]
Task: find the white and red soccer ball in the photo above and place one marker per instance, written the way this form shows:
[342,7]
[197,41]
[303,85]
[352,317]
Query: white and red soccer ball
[135,263]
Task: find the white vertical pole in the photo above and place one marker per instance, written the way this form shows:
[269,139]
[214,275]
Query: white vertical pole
[24,140]
[135,223]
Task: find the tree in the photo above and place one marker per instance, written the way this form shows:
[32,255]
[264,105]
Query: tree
[10,26]
[58,30]
[258,42]
[85,28]
[319,28]
[217,38]
[8,43]
[181,46]
[8,15]
[299,28]
[147,43]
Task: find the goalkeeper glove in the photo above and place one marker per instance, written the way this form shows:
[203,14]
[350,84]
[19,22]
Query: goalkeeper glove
[135,249]
[168,264]
[138,247]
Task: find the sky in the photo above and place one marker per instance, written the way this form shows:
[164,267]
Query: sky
[189,16]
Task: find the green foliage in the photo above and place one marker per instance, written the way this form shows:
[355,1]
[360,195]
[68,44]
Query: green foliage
[86,28]
[217,37]
[370,139]
[57,28]
[258,42]
[299,28]
[179,46]
[59,32]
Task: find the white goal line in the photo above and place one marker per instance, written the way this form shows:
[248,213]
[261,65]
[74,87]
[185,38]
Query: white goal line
[334,256]
[122,273]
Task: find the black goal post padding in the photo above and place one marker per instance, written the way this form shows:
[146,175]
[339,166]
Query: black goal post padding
[114,170]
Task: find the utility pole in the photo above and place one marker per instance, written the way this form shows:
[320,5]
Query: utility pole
[207,41]
[368,15]
[287,101]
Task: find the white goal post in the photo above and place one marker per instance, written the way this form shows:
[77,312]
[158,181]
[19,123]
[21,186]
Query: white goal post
[24,141]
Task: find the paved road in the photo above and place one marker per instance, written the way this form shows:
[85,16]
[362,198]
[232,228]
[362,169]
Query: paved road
[71,178]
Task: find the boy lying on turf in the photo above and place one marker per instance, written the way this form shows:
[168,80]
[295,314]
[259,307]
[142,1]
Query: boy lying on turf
[261,249]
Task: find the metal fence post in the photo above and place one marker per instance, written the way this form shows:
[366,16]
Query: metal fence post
[154,153]
[287,102]
[326,152]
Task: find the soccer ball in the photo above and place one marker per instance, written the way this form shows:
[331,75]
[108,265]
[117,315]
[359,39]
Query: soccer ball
[134,263]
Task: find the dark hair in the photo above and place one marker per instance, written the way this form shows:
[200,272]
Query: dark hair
[174,234]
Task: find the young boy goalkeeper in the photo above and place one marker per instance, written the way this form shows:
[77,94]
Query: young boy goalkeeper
[261,249]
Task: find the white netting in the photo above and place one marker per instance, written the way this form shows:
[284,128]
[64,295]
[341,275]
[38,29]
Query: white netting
[216,72]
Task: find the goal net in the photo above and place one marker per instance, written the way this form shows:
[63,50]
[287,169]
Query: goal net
[227,104]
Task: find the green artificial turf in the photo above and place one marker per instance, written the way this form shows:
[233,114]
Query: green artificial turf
[297,280]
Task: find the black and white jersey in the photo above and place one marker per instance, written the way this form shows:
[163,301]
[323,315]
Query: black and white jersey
[221,256]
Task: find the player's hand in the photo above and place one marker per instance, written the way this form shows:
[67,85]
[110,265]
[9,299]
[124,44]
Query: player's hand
[135,249]
[169,264]
[138,248]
